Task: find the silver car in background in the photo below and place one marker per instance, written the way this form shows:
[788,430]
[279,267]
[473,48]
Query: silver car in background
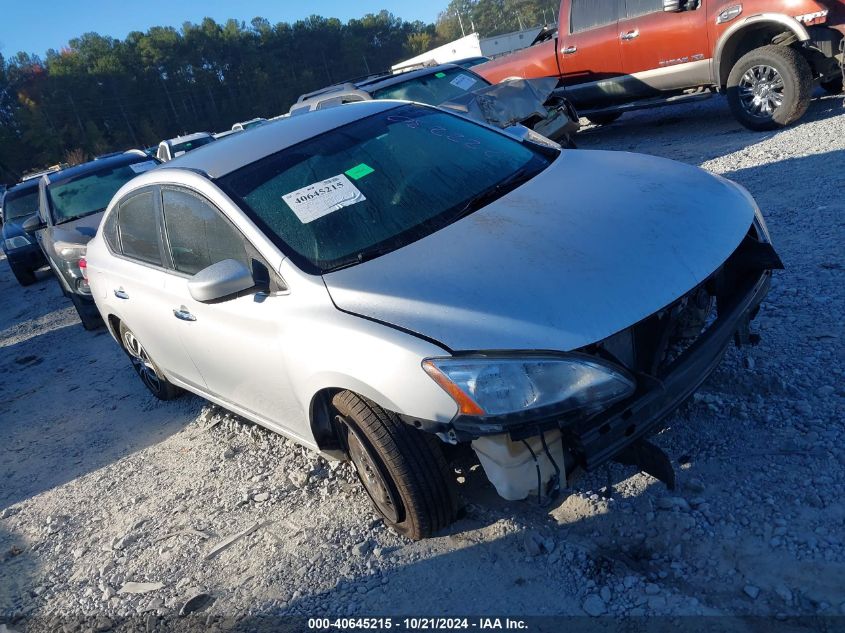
[377,279]
[174,147]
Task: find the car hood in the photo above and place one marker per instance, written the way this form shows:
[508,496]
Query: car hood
[593,244]
[79,231]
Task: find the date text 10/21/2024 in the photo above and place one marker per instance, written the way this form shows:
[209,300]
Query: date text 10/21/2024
[417,624]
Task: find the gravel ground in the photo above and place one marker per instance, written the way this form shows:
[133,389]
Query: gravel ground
[114,505]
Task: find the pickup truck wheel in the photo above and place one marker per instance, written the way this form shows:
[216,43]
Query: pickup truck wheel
[25,276]
[770,87]
[603,119]
[402,469]
[833,87]
[147,370]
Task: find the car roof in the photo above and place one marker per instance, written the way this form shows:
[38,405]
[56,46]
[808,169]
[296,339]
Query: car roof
[187,137]
[371,83]
[93,166]
[218,159]
[21,187]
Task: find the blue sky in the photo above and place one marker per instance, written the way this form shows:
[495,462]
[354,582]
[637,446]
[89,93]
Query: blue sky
[33,26]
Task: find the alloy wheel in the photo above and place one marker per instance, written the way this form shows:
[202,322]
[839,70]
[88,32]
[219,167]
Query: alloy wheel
[141,362]
[761,90]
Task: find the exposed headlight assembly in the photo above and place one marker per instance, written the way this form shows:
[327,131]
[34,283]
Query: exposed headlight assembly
[19,241]
[490,386]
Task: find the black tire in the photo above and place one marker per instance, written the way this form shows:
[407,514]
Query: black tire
[767,101]
[604,119]
[147,370]
[91,319]
[25,276]
[407,477]
[833,86]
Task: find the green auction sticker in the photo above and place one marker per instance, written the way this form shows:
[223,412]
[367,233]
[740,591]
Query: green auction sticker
[359,171]
[440,75]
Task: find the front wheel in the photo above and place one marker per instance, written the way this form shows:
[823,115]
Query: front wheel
[147,370]
[402,469]
[25,276]
[770,87]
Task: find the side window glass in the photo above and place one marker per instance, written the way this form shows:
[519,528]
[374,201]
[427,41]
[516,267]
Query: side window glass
[636,8]
[110,232]
[138,230]
[198,234]
[590,14]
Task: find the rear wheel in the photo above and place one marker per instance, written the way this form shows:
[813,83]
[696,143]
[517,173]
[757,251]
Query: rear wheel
[402,469]
[147,370]
[770,87]
[25,276]
[604,119]
[88,314]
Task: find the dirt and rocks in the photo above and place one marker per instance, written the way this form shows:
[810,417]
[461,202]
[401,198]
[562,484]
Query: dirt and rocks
[114,506]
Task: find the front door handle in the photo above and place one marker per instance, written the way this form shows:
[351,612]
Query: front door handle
[183,314]
[120,293]
[630,35]
[569,50]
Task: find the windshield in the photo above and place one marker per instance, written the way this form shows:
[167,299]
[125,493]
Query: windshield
[252,124]
[88,193]
[377,184]
[435,88]
[20,205]
[187,146]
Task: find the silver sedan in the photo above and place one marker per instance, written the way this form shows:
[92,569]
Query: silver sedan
[378,279]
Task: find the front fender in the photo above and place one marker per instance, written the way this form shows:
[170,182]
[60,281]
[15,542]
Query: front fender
[727,39]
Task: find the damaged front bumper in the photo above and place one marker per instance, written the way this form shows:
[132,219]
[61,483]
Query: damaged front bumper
[602,438]
[664,381]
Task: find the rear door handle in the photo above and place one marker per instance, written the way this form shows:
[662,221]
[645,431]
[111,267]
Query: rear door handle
[569,50]
[630,35]
[183,314]
[120,293]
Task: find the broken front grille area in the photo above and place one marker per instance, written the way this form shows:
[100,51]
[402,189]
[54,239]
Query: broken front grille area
[736,290]
[651,347]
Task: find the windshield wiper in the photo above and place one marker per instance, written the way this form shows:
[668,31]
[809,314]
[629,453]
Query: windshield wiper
[360,258]
[81,215]
[496,191]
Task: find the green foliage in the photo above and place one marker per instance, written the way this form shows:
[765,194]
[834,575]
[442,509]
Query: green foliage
[102,94]
[494,17]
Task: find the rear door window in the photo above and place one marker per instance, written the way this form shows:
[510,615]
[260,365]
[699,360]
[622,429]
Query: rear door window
[198,234]
[591,14]
[636,8]
[138,228]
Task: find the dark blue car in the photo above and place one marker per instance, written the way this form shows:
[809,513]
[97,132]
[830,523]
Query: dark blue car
[22,251]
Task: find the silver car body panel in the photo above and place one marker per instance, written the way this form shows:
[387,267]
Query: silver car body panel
[259,142]
[263,358]
[555,264]
[505,277]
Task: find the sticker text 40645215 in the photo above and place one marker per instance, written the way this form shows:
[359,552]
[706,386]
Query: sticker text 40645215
[321,198]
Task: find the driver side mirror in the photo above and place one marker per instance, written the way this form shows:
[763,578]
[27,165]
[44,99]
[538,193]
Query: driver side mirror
[671,6]
[220,280]
[33,224]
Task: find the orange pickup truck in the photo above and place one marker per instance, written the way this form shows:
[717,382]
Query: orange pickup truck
[613,56]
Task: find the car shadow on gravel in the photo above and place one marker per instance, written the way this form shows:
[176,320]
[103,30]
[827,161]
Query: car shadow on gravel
[768,182]
[694,133]
[37,300]
[74,406]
